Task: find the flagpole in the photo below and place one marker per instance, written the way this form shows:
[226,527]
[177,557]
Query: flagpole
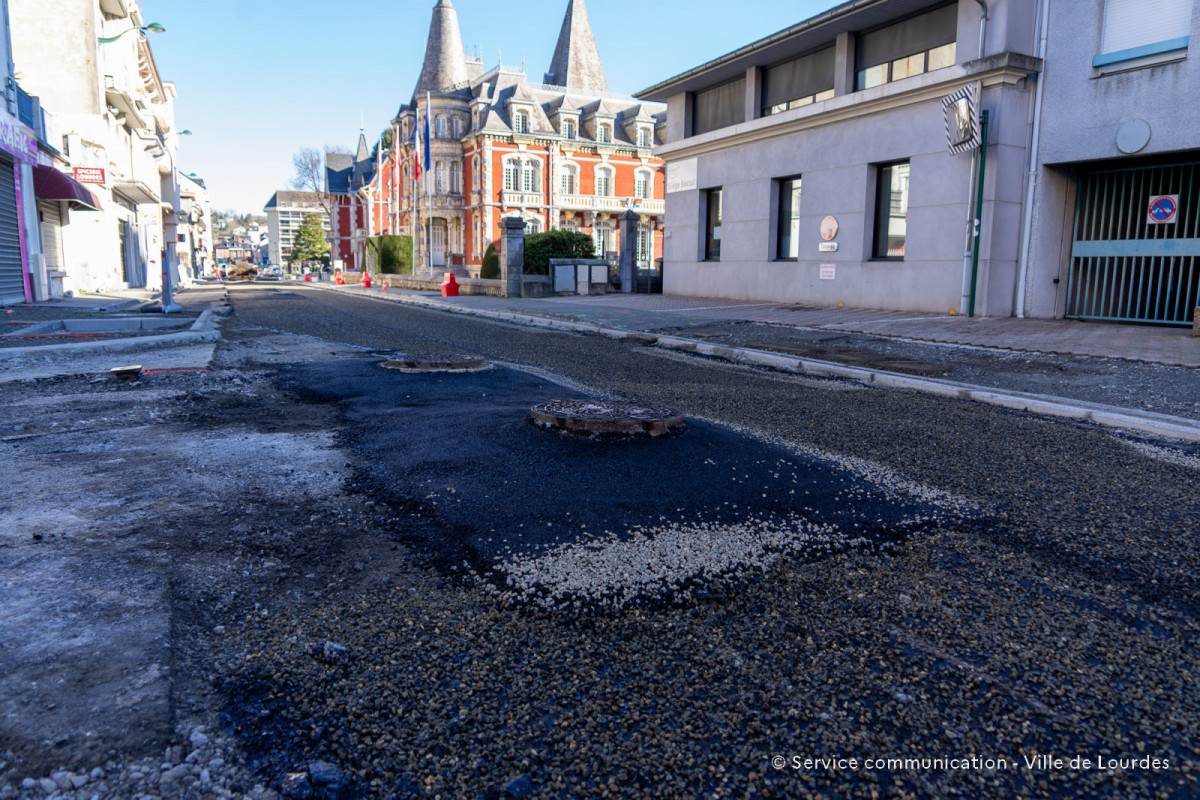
[428,184]
[415,196]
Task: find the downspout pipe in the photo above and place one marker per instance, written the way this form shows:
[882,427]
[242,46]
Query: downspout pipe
[1031,178]
[983,26]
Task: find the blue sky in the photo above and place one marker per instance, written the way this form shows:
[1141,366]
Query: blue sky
[259,79]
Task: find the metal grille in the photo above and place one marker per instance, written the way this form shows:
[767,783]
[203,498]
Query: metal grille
[12,278]
[1125,268]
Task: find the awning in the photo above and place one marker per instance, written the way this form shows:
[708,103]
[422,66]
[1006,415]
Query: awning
[137,192]
[50,184]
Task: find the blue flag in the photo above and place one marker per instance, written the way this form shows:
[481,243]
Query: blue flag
[427,133]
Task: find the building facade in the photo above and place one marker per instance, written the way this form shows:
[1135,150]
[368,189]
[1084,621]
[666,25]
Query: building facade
[195,245]
[822,165]
[348,182]
[90,61]
[285,211]
[564,154]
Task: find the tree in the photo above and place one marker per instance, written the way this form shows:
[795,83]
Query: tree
[386,138]
[309,167]
[490,268]
[309,245]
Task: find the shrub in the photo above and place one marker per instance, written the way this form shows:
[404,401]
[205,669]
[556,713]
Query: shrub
[490,268]
[541,247]
[394,254]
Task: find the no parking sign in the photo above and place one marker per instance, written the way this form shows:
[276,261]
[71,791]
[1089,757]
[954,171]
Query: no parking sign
[1163,209]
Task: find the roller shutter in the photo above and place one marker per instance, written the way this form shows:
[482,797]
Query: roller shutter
[51,233]
[12,279]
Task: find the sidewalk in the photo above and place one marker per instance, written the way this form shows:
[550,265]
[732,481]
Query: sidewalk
[659,313]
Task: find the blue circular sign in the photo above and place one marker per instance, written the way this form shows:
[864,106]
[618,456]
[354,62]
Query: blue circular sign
[1163,209]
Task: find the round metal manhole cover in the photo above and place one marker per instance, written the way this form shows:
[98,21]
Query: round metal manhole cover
[606,418]
[434,362]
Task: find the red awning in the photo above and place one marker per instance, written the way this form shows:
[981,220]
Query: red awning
[50,184]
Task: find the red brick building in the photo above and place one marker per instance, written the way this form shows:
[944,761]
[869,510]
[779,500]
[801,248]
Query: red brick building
[565,154]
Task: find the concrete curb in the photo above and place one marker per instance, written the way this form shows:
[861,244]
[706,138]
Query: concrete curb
[1047,405]
[204,329]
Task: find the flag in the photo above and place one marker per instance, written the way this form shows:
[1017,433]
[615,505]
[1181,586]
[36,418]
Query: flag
[417,147]
[427,131]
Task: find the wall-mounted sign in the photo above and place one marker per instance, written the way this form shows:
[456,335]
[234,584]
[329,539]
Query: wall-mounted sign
[1163,209]
[716,233]
[829,228]
[16,139]
[827,247]
[681,175]
[828,272]
[89,174]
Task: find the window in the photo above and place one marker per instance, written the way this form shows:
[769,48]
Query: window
[642,184]
[520,122]
[457,128]
[475,172]
[712,226]
[891,210]
[799,82]
[1132,30]
[569,129]
[570,175]
[441,128]
[604,132]
[788,241]
[456,182]
[645,245]
[529,177]
[603,234]
[442,172]
[643,139]
[533,226]
[512,175]
[911,47]
[604,186]
[719,107]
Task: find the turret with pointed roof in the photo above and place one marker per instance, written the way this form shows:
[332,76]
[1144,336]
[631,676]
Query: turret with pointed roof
[445,64]
[576,62]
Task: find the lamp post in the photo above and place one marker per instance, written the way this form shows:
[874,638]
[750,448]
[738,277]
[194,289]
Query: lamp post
[153,27]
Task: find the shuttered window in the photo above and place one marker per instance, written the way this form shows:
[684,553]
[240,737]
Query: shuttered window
[12,280]
[719,107]
[910,47]
[1133,28]
[798,82]
[51,220]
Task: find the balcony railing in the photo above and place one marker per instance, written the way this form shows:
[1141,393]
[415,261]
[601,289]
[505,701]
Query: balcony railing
[522,198]
[587,202]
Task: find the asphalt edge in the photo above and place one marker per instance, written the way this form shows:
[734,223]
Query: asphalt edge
[204,329]
[1046,405]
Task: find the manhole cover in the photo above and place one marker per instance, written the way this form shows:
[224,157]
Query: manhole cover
[596,417]
[434,362]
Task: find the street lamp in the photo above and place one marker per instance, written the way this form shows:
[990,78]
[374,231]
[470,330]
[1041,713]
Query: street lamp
[153,27]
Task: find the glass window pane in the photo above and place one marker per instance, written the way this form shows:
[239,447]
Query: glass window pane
[941,57]
[908,66]
[712,237]
[825,95]
[872,76]
[891,211]
[789,219]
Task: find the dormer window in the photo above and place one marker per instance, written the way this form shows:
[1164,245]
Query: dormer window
[569,129]
[521,122]
[643,137]
[604,132]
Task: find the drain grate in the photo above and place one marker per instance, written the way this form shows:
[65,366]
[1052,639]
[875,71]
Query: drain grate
[606,418]
[434,362]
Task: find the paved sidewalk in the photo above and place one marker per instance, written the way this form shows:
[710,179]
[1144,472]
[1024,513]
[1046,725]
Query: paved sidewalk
[655,313]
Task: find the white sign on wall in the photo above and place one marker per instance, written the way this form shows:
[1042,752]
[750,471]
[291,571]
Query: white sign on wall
[828,272]
[681,175]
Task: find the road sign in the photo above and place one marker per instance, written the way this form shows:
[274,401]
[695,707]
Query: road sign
[1163,209]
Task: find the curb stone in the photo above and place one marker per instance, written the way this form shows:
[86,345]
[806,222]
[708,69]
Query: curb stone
[1045,405]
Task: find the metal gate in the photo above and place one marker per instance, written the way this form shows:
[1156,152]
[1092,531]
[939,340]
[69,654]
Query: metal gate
[12,274]
[1136,245]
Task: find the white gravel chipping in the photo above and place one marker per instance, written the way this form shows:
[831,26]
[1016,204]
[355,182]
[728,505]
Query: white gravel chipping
[1164,454]
[613,570]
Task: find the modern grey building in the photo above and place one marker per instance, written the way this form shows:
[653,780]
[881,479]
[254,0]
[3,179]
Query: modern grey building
[836,161]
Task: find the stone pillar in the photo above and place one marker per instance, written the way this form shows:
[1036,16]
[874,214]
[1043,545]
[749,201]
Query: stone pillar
[512,254]
[628,226]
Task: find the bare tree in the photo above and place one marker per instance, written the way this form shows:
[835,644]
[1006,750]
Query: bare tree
[309,166]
